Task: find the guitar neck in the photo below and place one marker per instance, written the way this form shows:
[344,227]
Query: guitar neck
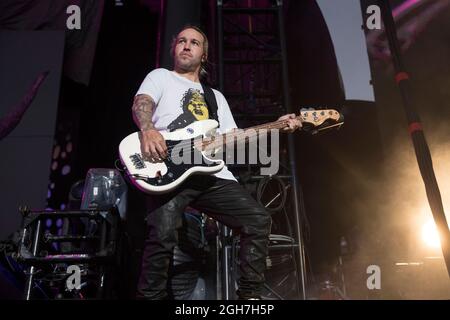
[243,135]
[279,124]
[314,118]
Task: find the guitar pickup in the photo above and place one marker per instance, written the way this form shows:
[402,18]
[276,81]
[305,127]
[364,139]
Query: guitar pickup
[138,161]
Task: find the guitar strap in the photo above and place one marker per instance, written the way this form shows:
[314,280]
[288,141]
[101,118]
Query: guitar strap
[211,101]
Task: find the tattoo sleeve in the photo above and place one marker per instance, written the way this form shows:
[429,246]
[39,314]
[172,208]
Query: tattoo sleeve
[143,106]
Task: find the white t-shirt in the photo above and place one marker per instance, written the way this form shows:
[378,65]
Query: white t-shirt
[180,101]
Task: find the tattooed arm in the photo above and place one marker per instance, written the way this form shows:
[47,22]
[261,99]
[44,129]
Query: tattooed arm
[153,146]
[143,106]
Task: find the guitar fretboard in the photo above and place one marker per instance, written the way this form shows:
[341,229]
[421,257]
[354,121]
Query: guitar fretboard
[242,135]
[314,118]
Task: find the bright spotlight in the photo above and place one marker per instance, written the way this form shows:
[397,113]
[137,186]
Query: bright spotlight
[430,234]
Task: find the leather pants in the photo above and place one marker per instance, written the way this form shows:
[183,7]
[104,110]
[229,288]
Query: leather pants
[224,200]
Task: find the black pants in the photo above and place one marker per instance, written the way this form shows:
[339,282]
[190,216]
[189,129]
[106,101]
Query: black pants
[224,200]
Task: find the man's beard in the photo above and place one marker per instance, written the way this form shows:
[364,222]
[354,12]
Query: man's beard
[187,66]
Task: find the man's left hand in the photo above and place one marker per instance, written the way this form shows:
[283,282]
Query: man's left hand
[293,123]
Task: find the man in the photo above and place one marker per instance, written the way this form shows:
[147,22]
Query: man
[169,100]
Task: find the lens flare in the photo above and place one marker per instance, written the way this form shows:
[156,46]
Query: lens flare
[430,235]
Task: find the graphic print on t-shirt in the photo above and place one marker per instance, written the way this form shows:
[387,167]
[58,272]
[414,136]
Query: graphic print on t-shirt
[194,109]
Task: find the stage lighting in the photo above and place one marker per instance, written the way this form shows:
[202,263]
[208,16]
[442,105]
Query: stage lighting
[430,234]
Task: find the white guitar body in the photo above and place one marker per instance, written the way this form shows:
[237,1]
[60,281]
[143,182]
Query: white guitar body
[165,176]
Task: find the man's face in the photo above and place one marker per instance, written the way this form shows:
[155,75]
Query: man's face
[188,51]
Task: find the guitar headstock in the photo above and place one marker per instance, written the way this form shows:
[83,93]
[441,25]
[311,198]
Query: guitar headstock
[318,120]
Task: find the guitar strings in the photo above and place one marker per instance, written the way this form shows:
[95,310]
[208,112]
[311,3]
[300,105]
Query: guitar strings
[235,136]
[280,124]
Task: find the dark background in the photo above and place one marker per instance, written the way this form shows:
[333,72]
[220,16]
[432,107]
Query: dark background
[360,183]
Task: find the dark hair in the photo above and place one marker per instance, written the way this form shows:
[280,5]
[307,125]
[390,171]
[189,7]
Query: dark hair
[203,71]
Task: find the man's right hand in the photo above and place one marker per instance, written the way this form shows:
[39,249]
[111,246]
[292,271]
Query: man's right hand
[153,145]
